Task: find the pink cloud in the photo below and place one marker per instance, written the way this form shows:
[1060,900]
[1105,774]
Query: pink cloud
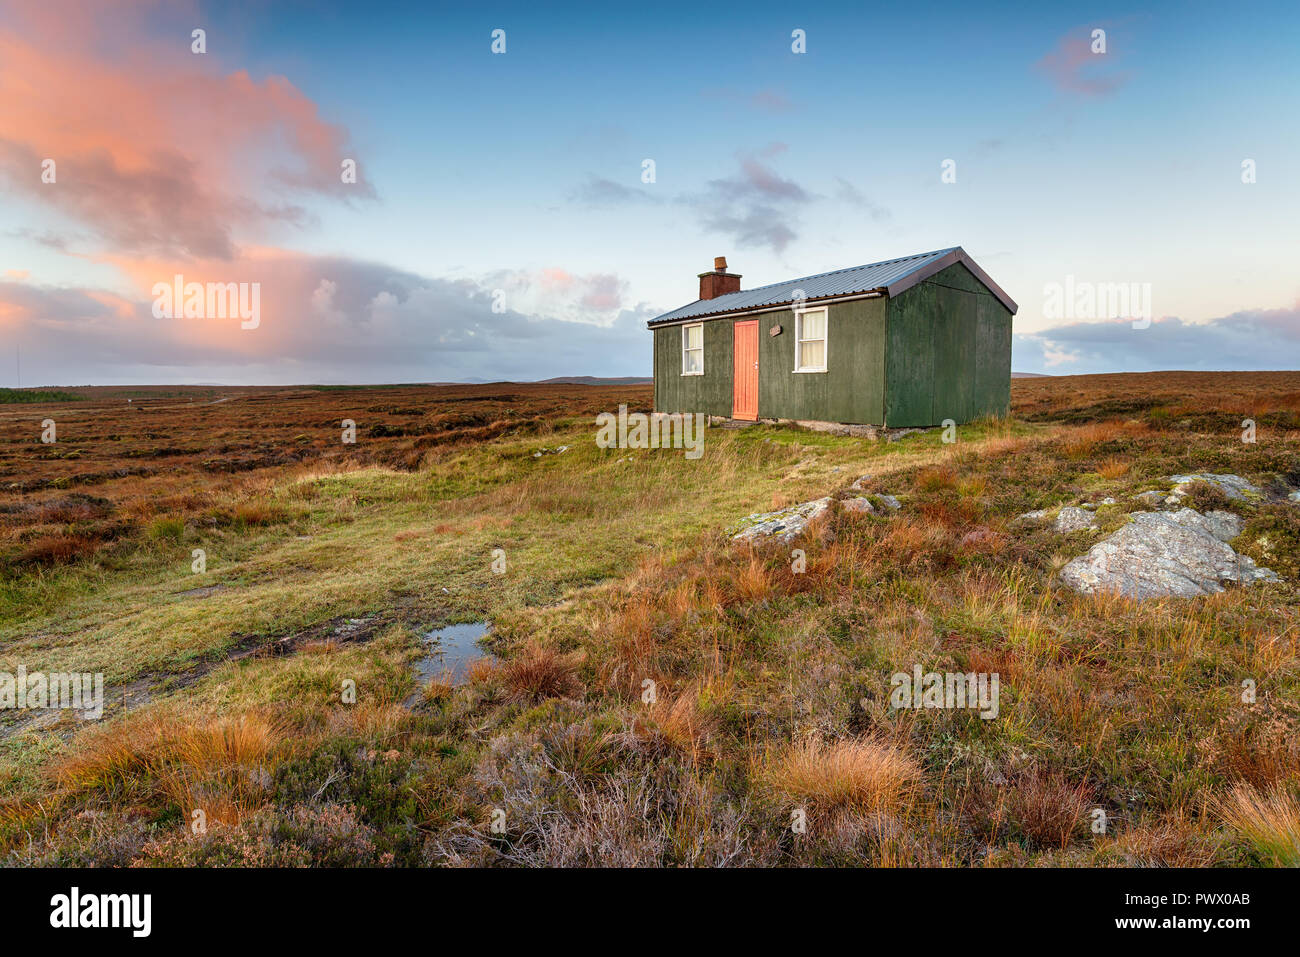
[604,293]
[556,278]
[156,150]
[336,317]
[1074,67]
[557,292]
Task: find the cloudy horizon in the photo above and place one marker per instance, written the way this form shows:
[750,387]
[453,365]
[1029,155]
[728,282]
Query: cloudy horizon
[419,200]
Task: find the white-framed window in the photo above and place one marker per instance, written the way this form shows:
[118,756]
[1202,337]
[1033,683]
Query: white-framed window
[810,340]
[693,349]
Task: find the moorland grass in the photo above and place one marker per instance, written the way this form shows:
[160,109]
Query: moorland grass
[660,695]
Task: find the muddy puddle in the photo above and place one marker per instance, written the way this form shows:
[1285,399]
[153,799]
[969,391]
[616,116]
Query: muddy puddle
[202,592]
[449,652]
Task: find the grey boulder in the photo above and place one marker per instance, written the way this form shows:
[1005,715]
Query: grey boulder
[1069,518]
[858,504]
[1182,553]
[786,524]
[1072,519]
[1234,486]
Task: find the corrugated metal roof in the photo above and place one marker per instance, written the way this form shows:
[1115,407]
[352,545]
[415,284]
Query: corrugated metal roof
[890,277]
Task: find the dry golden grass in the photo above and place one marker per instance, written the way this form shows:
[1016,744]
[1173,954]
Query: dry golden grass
[257,513]
[318,646]
[649,568]
[1003,445]
[753,581]
[1262,753]
[1113,468]
[865,774]
[1047,808]
[936,478]
[633,632]
[909,542]
[220,766]
[680,723]
[223,768]
[1175,840]
[1269,820]
[1285,402]
[537,672]
[57,549]
[383,721]
[1079,442]
[481,671]
[440,687]
[1103,604]
[953,514]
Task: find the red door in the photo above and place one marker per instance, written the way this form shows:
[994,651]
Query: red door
[745,403]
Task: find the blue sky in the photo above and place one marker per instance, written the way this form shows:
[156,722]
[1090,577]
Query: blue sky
[519,176]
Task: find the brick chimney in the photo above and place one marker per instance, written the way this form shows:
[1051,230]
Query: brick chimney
[719,282]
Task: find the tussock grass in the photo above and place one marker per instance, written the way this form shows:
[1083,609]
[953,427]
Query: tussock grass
[936,478]
[538,672]
[1113,468]
[1269,820]
[167,529]
[864,774]
[220,766]
[57,550]
[1047,809]
[682,723]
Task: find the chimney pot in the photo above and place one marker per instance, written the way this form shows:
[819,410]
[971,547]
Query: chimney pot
[719,282]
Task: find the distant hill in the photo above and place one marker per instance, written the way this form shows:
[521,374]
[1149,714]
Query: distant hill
[596,380]
[1029,375]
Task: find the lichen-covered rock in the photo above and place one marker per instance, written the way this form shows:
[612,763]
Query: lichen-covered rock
[1152,497]
[1071,519]
[1182,553]
[1068,518]
[1233,486]
[1225,526]
[786,523]
[789,523]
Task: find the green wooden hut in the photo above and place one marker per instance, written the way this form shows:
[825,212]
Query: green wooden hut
[906,342]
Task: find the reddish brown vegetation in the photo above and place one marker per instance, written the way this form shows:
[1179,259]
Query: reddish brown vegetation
[175,450]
